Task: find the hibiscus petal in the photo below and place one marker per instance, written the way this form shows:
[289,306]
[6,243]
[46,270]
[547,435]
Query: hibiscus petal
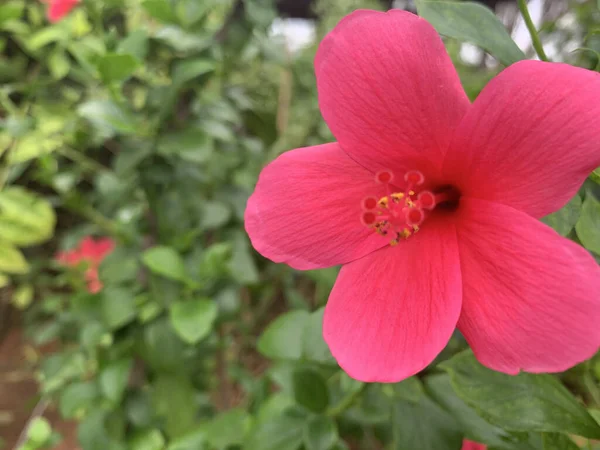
[529,141]
[392,312]
[306,209]
[531,297]
[60,8]
[388,91]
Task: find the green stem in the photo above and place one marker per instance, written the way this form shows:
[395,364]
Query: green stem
[346,402]
[535,38]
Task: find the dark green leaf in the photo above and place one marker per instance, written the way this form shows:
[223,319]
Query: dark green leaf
[165,261]
[473,426]
[424,426]
[227,429]
[471,22]
[565,218]
[78,398]
[192,144]
[113,379]
[114,67]
[118,306]
[173,399]
[310,390]
[147,440]
[588,225]
[320,433]
[193,319]
[283,432]
[283,338]
[524,402]
[558,441]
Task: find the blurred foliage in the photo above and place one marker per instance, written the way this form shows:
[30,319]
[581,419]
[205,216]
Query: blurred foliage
[149,121]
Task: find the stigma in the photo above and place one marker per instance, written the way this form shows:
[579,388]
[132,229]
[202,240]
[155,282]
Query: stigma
[400,213]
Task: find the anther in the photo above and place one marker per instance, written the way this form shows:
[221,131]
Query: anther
[369,203]
[426,200]
[384,177]
[414,216]
[414,177]
[368,218]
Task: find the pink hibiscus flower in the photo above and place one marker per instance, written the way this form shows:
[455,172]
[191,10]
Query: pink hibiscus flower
[91,253]
[58,9]
[432,205]
[470,445]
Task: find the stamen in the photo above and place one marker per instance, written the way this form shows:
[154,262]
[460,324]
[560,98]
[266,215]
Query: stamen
[399,215]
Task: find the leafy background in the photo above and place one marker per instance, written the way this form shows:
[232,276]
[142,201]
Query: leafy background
[148,121]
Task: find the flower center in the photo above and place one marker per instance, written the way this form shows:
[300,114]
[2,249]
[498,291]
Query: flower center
[399,214]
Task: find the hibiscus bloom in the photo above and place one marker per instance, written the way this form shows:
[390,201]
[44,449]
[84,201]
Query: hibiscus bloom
[91,253]
[58,9]
[432,205]
[470,445]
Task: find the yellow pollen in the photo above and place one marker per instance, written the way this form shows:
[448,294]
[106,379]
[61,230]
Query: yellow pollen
[406,233]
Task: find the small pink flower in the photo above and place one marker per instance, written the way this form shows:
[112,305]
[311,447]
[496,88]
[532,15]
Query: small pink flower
[432,205]
[470,445]
[90,252]
[58,9]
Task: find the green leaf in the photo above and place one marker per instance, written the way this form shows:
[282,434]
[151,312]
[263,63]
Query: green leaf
[12,260]
[283,432]
[471,22]
[242,265]
[115,67]
[193,320]
[107,118]
[39,430]
[173,400]
[409,389]
[320,433]
[114,378]
[165,261]
[565,218]
[46,36]
[160,10]
[558,441]
[524,402]
[424,426]
[163,349]
[25,218]
[135,44]
[194,440]
[283,338]
[294,335]
[310,390]
[58,63]
[474,427]
[191,144]
[118,306]
[10,11]
[214,214]
[227,429]
[147,440]
[588,225]
[77,398]
[314,346]
[22,296]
